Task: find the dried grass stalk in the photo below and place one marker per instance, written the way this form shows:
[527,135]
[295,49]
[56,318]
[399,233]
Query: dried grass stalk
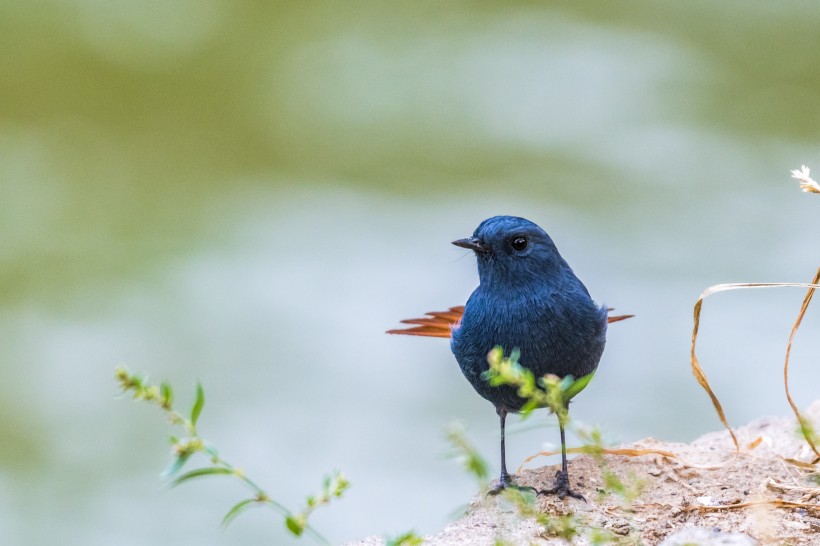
[800,419]
[776,503]
[697,370]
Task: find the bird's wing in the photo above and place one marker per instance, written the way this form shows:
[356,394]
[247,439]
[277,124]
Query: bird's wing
[441,323]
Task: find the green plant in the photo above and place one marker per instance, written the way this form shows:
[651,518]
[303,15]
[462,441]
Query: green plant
[185,448]
[549,391]
[554,393]
[406,539]
[469,457]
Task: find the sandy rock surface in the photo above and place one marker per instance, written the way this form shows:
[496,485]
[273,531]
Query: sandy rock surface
[723,496]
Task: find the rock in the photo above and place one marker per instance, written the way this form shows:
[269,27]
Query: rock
[677,499]
[707,537]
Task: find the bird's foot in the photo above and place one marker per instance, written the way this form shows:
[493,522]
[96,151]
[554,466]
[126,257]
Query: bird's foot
[561,488]
[506,482]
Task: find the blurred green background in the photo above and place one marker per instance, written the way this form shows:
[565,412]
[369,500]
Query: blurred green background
[249,193]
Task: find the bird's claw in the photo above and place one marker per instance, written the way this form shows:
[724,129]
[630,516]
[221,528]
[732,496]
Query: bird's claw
[506,482]
[561,488]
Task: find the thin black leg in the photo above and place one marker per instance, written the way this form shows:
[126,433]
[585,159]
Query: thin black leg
[563,449]
[504,480]
[561,487]
[505,476]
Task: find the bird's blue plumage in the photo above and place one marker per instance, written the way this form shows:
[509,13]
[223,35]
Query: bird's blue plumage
[530,299]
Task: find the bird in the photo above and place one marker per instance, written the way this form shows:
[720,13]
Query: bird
[528,301]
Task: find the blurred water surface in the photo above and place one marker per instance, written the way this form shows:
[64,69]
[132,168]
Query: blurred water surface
[249,193]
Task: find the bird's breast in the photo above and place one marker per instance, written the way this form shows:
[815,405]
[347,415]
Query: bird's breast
[554,333]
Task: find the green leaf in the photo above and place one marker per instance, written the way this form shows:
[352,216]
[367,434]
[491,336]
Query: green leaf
[477,465]
[176,465]
[577,386]
[566,383]
[212,452]
[295,526]
[167,394]
[198,403]
[237,509]
[200,472]
[341,483]
[528,407]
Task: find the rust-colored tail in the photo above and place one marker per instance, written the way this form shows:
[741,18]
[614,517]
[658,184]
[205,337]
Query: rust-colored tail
[440,323]
[435,324]
[617,318]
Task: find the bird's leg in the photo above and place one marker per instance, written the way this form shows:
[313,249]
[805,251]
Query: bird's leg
[505,476]
[561,487]
[505,480]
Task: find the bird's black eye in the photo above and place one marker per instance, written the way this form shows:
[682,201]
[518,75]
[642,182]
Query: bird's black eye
[519,243]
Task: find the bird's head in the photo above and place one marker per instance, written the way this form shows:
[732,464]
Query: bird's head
[512,250]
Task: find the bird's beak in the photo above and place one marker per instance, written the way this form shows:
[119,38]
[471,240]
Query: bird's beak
[472,243]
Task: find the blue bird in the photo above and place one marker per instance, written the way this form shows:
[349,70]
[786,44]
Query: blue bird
[528,299]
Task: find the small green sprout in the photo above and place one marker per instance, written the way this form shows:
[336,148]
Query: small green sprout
[554,393]
[183,449]
[549,391]
[599,536]
[469,457]
[627,491]
[333,487]
[806,430]
[406,539]
[566,527]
